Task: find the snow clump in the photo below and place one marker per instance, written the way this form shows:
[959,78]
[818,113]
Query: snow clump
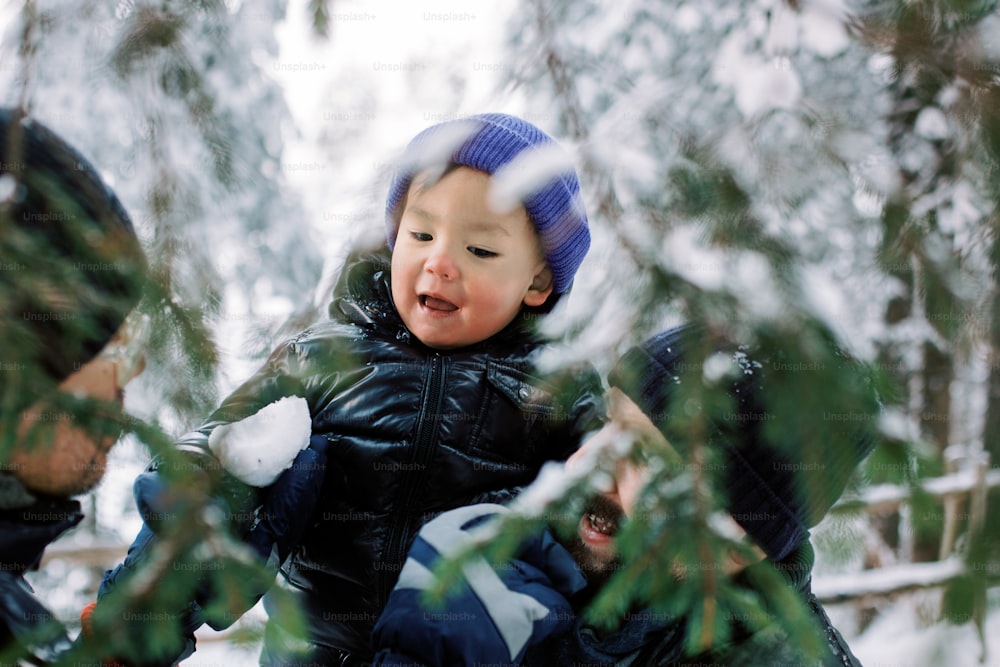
[257,449]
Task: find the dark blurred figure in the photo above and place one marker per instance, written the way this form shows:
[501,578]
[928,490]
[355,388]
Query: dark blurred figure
[71,271]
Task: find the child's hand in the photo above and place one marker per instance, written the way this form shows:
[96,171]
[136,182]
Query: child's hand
[272,529]
[163,495]
[243,456]
[290,504]
[288,509]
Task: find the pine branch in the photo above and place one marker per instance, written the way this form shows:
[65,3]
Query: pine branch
[319,10]
[29,18]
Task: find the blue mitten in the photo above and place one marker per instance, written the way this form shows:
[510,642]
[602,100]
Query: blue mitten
[275,529]
[289,505]
[158,504]
[279,524]
[172,487]
[493,615]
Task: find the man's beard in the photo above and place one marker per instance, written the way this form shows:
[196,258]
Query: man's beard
[596,568]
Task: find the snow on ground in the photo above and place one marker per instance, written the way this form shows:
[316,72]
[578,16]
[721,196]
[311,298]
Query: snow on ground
[899,637]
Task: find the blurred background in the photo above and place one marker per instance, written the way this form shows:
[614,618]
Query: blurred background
[767,166]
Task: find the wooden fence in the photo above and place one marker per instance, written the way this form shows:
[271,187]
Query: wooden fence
[966,484]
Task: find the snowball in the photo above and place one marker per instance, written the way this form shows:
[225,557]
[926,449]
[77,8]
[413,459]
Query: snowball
[257,449]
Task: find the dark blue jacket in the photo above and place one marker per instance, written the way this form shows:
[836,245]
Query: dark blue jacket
[477,621]
[491,616]
[647,640]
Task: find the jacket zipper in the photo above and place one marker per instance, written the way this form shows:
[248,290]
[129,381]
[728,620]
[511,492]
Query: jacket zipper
[424,444]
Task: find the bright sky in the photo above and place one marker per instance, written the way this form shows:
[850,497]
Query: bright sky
[366,70]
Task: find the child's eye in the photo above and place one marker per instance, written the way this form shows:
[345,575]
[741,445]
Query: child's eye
[421,236]
[479,252]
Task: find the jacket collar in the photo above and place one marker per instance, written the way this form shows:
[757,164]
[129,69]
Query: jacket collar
[796,567]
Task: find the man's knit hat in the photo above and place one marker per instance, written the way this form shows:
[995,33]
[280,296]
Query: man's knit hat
[73,267]
[784,463]
[497,142]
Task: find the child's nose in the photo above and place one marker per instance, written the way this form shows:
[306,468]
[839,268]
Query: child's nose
[441,264]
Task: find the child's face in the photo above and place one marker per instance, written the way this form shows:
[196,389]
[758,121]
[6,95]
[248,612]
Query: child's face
[461,271]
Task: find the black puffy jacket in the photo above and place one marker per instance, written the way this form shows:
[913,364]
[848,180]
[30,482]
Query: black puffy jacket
[28,631]
[413,432]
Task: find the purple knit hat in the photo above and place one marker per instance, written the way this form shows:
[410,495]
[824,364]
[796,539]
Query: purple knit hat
[489,142]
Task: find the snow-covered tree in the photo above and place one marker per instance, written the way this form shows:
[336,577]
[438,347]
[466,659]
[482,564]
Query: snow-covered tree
[778,169]
[174,104]
[791,174]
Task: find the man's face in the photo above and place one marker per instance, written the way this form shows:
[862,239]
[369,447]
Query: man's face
[62,459]
[593,544]
[460,270]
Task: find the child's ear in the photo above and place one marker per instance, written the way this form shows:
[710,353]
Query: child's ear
[541,287]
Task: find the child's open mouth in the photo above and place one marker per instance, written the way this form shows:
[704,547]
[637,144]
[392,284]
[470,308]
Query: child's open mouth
[434,303]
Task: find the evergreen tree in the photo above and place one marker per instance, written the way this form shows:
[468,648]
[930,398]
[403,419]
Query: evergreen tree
[797,176]
[171,101]
[781,172]
[186,123]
